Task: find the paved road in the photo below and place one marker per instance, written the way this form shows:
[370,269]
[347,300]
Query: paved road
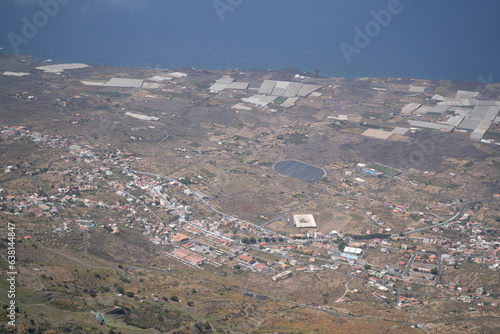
[346,289]
[408,266]
[454,217]
[85,238]
[438,262]
[195,194]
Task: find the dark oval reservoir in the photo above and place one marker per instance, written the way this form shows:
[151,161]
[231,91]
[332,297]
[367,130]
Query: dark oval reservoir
[299,170]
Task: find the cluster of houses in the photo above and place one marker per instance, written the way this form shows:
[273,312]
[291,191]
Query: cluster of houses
[188,256]
[483,245]
[185,232]
[54,141]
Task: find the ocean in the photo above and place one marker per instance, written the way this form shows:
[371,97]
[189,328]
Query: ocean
[441,40]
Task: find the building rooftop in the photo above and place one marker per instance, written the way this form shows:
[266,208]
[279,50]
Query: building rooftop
[305,220]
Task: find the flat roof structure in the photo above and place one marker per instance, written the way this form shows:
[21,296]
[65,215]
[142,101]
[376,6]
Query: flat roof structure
[438,97]
[239,106]
[304,220]
[307,89]
[468,102]
[151,85]
[290,102]
[221,84]
[485,112]
[267,87]
[260,100]
[159,78]
[58,68]
[140,116]
[416,89]
[238,85]
[15,74]
[380,86]
[454,120]
[124,83]
[463,94]
[429,125]
[477,134]
[287,88]
[478,112]
[469,124]
[293,89]
[283,275]
[400,130]
[379,134]
[480,118]
[400,87]
[458,115]
[338,118]
[93,83]
[280,88]
[353,250]
[409,108]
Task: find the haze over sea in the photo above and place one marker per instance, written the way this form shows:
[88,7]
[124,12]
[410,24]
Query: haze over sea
[428,39]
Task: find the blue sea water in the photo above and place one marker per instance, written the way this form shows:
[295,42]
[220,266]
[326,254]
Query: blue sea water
[445,39]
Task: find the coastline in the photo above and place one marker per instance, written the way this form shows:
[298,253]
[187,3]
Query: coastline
[55,60]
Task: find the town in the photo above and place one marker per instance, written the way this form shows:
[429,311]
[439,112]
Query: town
[394,266]
[385,197]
